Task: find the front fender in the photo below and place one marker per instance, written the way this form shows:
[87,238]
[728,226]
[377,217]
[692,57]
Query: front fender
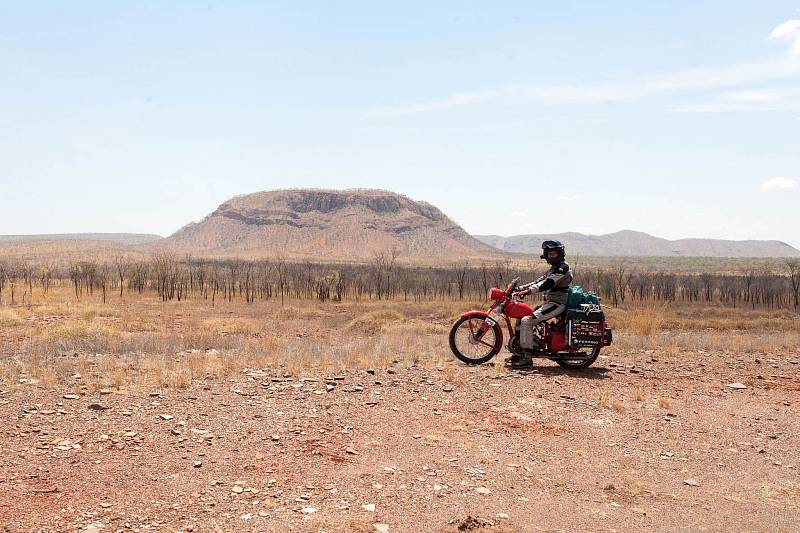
[477,313]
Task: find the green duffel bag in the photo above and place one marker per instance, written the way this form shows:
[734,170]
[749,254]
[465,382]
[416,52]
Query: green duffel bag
[576,296]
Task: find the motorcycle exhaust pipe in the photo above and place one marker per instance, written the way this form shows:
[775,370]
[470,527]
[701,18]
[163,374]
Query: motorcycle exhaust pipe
[579,356]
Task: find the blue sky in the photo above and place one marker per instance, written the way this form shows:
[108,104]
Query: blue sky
[680,119]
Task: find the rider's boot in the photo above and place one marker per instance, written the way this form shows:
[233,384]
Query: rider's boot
[525,360]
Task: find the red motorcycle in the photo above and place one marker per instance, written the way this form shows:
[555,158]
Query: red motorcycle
[477,336]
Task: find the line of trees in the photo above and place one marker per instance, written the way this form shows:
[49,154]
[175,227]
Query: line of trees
[174,278]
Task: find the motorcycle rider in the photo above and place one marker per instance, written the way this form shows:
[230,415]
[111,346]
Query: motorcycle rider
[554,286]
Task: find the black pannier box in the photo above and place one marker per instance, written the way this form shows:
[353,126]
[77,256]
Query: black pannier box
[590,315]
[586,326]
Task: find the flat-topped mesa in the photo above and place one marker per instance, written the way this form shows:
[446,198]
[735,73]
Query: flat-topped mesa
[334,224]
[329,201]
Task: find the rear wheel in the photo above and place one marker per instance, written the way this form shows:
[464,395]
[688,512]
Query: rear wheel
[581,363]
[469,346]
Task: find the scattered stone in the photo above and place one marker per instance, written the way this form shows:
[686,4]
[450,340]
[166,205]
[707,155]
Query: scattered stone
[237,489]
[94,407]
[72,397]
[166,417]
[369,507]
[246,516]
[483,490]
[381,528]
[309,510]
[351,451]
[691,482]
[737,386]
[197,464]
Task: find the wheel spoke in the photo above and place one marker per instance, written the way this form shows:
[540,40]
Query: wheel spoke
[485,343]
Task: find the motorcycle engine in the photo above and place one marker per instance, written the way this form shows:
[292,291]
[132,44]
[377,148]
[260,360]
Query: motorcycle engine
[513,345]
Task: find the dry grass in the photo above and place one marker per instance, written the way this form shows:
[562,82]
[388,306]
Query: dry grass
[604,399]
[141,341]
[646,321]
[10,317]
[77,336]
[373,322]
[693,328]
[784,495]
[232,326]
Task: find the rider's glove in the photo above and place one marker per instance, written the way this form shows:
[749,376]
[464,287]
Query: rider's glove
[523,294]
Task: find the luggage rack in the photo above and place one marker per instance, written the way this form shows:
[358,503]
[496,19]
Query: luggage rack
[586,326]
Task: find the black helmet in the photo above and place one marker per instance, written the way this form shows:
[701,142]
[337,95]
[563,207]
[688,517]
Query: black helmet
[553,245]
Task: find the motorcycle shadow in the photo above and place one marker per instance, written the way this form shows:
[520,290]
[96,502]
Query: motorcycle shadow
[583,373]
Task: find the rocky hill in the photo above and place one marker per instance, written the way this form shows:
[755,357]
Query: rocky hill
[328,224]
[635,243]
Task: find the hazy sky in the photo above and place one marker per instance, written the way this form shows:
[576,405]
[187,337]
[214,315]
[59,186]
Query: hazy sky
[676,118]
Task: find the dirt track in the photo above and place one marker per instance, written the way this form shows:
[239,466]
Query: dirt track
[666,445]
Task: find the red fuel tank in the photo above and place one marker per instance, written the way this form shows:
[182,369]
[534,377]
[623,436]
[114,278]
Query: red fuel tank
[518,310]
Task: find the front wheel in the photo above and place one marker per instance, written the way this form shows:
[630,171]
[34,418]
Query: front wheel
[469,346]
[580,363]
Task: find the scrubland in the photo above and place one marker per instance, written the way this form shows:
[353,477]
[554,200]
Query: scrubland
[140,414]
[59,336]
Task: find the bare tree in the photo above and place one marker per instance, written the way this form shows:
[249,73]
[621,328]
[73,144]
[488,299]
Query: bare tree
[122,266]
[793,264]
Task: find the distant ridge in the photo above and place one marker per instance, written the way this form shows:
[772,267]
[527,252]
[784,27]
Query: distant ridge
[628,243]
[129,239]
[358,224]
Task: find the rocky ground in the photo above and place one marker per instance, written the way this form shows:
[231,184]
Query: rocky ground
[640,441]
